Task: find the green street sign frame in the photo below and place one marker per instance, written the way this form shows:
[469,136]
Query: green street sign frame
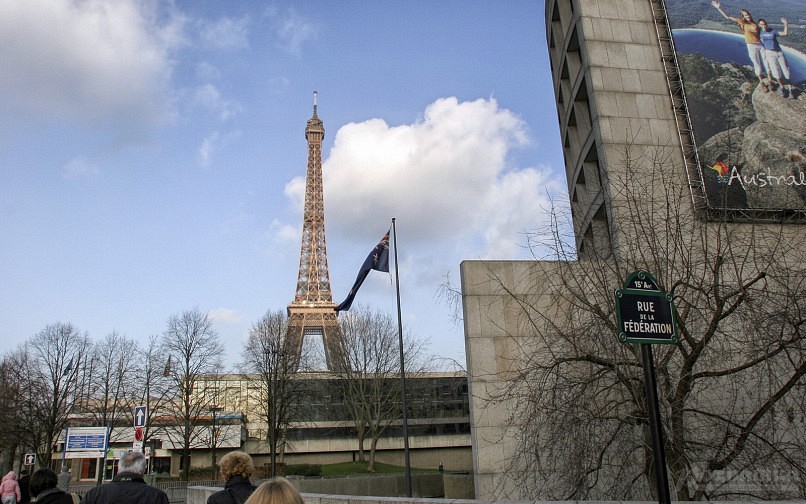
[646,313]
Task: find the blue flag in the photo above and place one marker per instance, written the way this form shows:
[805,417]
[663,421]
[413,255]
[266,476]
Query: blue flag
[377,260]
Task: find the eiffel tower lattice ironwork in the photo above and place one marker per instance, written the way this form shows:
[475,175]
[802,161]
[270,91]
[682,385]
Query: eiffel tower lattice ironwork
[312,313]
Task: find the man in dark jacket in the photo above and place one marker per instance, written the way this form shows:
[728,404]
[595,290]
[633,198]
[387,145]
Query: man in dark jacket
[128,487]
[236,467]
[24,483]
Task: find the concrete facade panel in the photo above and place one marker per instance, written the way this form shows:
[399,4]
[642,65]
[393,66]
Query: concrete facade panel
[627,105]
[654,81]
[621,31]
[602,30]
[636,57]
[616,55]
[630,80]
[611,79]
[663,107]
[642,32]
[607,104]
[596,79]
[646,103]
[597,55]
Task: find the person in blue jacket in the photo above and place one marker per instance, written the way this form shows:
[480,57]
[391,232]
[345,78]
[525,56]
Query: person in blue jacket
[776,61]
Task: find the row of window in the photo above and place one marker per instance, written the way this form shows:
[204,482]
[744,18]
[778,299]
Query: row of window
[591,225]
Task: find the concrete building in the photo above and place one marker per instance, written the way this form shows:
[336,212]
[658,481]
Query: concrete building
[320,430]
[549,379]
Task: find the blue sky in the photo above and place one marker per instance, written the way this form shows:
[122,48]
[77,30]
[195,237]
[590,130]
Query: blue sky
[153,156]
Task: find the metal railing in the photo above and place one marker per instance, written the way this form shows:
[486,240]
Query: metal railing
[176,490]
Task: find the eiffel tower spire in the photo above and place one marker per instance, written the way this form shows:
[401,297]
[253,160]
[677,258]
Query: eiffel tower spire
[312,313]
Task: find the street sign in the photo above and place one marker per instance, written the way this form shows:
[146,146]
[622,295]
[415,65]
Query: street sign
[30,459]
[89,454]
[137,446]
[646,315]
[138,433]
[645,312]
[140,415]
[86,438]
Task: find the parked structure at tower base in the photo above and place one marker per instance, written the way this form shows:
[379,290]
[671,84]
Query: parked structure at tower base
[558,408]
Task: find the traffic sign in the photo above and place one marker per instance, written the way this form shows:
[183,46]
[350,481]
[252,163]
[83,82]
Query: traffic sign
[645,312]
[138,433]
[137,446]
[140,415]
[30,459]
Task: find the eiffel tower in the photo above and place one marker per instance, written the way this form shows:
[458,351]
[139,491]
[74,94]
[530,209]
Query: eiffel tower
[312,313]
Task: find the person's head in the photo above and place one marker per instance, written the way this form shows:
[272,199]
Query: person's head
[275,491]
[41,480]
[746,15]
[762,23]
[236,463]
[132,462]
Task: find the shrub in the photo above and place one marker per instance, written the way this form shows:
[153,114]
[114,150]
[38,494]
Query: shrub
[303,470]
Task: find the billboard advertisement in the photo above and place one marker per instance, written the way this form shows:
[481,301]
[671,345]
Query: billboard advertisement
[743,65]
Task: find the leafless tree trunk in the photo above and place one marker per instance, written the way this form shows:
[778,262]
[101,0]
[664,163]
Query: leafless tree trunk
[194,349]
[151,388]
[270,365]
[370,375]
[112,377]
[13,408]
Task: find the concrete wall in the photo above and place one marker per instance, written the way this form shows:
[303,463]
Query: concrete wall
[495,340]
[367,488]
[198,495]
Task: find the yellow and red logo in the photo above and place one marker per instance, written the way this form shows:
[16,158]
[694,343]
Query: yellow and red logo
[721,168]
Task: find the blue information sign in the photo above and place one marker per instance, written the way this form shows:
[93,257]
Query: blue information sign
[86,438]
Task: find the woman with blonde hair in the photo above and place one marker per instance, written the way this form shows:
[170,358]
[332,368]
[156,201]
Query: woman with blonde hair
[236,467]
[276,491]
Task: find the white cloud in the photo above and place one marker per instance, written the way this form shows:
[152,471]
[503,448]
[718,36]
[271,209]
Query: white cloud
[100,62]
[210,98]
[284,233]
[212,143]
[292,30]
[446,178]
[78,168]
[226,33]
[225,316]
[207,72]
[207,147]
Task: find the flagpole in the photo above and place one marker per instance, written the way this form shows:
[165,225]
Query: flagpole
[402,370]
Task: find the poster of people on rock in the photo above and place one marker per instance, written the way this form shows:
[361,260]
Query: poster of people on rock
[744,73]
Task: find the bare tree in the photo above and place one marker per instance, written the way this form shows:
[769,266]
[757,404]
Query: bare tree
[154,388]
[732,390]
[111,378]
[370,374]
[52,362]
[194,349]
[270,366]
[13,408]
